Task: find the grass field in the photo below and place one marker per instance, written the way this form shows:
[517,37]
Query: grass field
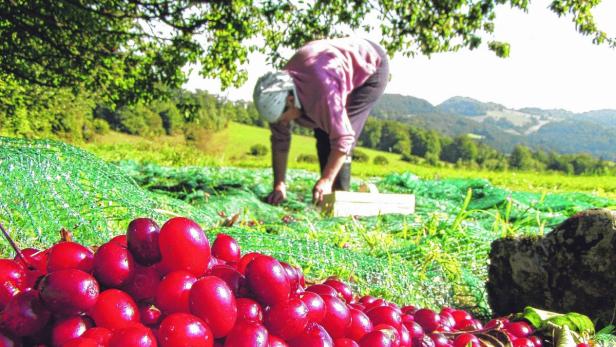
[231,148]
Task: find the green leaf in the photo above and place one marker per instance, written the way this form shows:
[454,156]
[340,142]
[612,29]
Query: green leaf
[574,321]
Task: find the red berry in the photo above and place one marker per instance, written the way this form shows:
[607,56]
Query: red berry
[345,342]
[115,309]
[7,340]
[292,276]
[440,340]
[342,288]
[81,342]
[213,302]
[385,315]
[69,292]
[69,255]
[313,336]
[120,240]
[24,314]
[184,246]
[286,319]
[99,334]
[376,338]
[247,334]
[466,340]
[360,325]
[174,292]
[267,280]
[523,342]
[142,239]
[226,248]
[249,310]
[113,265]
[275,341]
[183,329]
[144,284]
[150,315]
[133,336]
[245,260]
[315,304]
[519,329]
[323,289]
[415,330]
[69,328]
[12,280]
[337,316]
[428,319]
[231,276]
[537,341]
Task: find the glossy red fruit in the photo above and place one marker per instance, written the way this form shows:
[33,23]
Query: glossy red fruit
[440,340]
[133,336]
[385,315]
[497,323]
[69,292]
[249,310]
[150,314]
[234,279]
[466,340]
[376,338]
[367,299]
[69,255]
[143,285]
[428,319]
[345,342]
[213,302]
[275,341]
[337,316]
[405,337]
[115,309]
[409,309]
[342,288]
[523,342]
[315,304]
[313,336]
[183,329]
[12,280]
[24,314]
[98,334]
[69,328]
[113,265]
[226,248]
[7,340]
[424,341]
[184,246]
[536,341]
[286,319]
[245,260]
[268,281]
[447,319]
[415,330]
[519,329]
[81,342]
[8,289]
[142,239]
[120,240]
[323,289]
[247,334]
[360,325]
[173,292]
[292,276]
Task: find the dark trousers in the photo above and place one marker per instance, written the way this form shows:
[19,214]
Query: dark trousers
[359,104]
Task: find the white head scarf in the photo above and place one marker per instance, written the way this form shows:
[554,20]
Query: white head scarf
[270,94]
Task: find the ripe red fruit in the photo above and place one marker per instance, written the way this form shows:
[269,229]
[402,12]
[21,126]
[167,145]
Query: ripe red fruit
[313,336]
[440,340]
[275,341]
[497,323]
[184,246]
[519,329]
[81,342]
[245,260]
[428,319]
[69,255]
[183,329]
[292,276]
[385,315]
[174,292]
[143,285]
[360,325]
[99,334]
[344,342]
[415,330]
[247,334]
[150,315]
[12,280]
[213,302]
[466,340]
[120,240]
[315,304]
[8,289]
[133,336]
[69,292]
[249,310]
[376,338]
[142,239]
[24,314]
[268,281]
[115,309]
[113,265]
[231,276]
[337,316]
[536,341]
[286,319]
[323,289]
[405,336]
[342,288]
[523,342]
[226,248]
[69,328]
[7,340]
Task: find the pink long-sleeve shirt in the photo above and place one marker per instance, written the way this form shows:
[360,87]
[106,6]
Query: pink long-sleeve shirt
[325,72]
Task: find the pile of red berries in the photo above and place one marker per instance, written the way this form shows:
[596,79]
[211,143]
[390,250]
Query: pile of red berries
[167,287]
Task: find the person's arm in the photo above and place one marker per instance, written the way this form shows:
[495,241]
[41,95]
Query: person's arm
[324,185]
[281,139]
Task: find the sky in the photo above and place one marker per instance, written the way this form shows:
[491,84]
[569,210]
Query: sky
[550,66]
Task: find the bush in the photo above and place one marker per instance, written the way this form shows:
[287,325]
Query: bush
[410,158]
[101,127]
[360,157]
[258,150]
[380,160]
[307,158]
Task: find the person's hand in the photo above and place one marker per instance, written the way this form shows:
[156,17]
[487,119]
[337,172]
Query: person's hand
[322,187]
[278,194]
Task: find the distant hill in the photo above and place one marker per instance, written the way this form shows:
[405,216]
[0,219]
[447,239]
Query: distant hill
[559,130]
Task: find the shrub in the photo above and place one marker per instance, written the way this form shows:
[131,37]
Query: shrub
[307,158]
[409,158]
[258,150]
[101,127]
[360,157]
[380,160]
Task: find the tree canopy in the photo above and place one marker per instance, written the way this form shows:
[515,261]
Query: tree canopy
[125,49]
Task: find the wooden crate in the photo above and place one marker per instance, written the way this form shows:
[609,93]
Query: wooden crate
[341,203]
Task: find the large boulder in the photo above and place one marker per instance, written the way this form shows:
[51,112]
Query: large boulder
[570,269]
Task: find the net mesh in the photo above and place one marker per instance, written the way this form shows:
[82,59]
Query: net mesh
[433,258]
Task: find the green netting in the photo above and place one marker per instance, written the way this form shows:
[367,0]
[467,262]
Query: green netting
[435,257]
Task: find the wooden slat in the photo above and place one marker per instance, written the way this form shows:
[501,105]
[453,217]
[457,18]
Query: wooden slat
[340,204]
